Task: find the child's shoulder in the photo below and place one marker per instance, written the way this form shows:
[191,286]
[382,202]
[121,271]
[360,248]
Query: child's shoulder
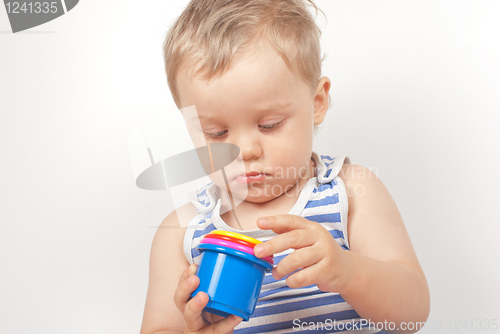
[362,185]
[354,173]
[181,216]
[177,221]
[169,236]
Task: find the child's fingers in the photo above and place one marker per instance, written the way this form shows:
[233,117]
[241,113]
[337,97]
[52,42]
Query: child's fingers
[283,223]
[187,272]
[194,321]
[225,325]
[210,317]
[305,277]
[300,258]
[184,291]
[192,313]
[294,239]
[192,268]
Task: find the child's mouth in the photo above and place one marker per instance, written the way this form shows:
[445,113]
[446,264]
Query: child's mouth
[249,178]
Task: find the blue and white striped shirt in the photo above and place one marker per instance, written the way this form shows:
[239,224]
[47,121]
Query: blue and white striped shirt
[281,309]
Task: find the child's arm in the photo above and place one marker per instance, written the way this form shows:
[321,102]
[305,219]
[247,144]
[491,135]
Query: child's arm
[166,263]
[171,283]
[380,277]
[389,282]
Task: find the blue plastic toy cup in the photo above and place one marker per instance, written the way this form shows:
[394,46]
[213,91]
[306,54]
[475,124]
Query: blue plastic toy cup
[232,280]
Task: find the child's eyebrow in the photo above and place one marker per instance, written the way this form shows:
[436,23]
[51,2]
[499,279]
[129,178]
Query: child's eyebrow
[274,106]
[263,108]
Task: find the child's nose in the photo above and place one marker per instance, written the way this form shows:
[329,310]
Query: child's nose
[249,145]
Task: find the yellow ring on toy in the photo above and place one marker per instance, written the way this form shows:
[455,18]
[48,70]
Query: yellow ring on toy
[237,236]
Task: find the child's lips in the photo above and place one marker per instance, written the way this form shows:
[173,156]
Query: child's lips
[250,177]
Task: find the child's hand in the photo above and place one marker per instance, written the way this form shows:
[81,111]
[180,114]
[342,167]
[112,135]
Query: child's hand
[323,261]
[196,321]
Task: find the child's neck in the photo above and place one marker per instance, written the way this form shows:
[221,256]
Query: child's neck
[245,215]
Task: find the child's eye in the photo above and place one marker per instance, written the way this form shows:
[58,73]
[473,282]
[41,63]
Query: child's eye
[221,133]
[270,126]
[214,135]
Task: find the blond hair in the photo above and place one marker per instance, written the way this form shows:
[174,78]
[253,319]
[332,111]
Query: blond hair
[209,33]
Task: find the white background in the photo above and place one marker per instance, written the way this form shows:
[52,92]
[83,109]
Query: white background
[415,91]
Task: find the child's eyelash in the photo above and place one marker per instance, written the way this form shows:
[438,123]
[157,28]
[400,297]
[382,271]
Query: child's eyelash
[214,135]
[270,126]
[221,133]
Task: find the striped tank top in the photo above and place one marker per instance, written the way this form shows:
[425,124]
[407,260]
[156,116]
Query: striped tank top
[279,308]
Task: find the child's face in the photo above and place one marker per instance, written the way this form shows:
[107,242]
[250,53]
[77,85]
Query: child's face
[266,110]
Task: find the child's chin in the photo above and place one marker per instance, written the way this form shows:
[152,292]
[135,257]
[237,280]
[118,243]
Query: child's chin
[256,192]
[260,198]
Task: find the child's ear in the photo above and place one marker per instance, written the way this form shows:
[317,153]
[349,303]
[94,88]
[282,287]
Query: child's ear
[321,100]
